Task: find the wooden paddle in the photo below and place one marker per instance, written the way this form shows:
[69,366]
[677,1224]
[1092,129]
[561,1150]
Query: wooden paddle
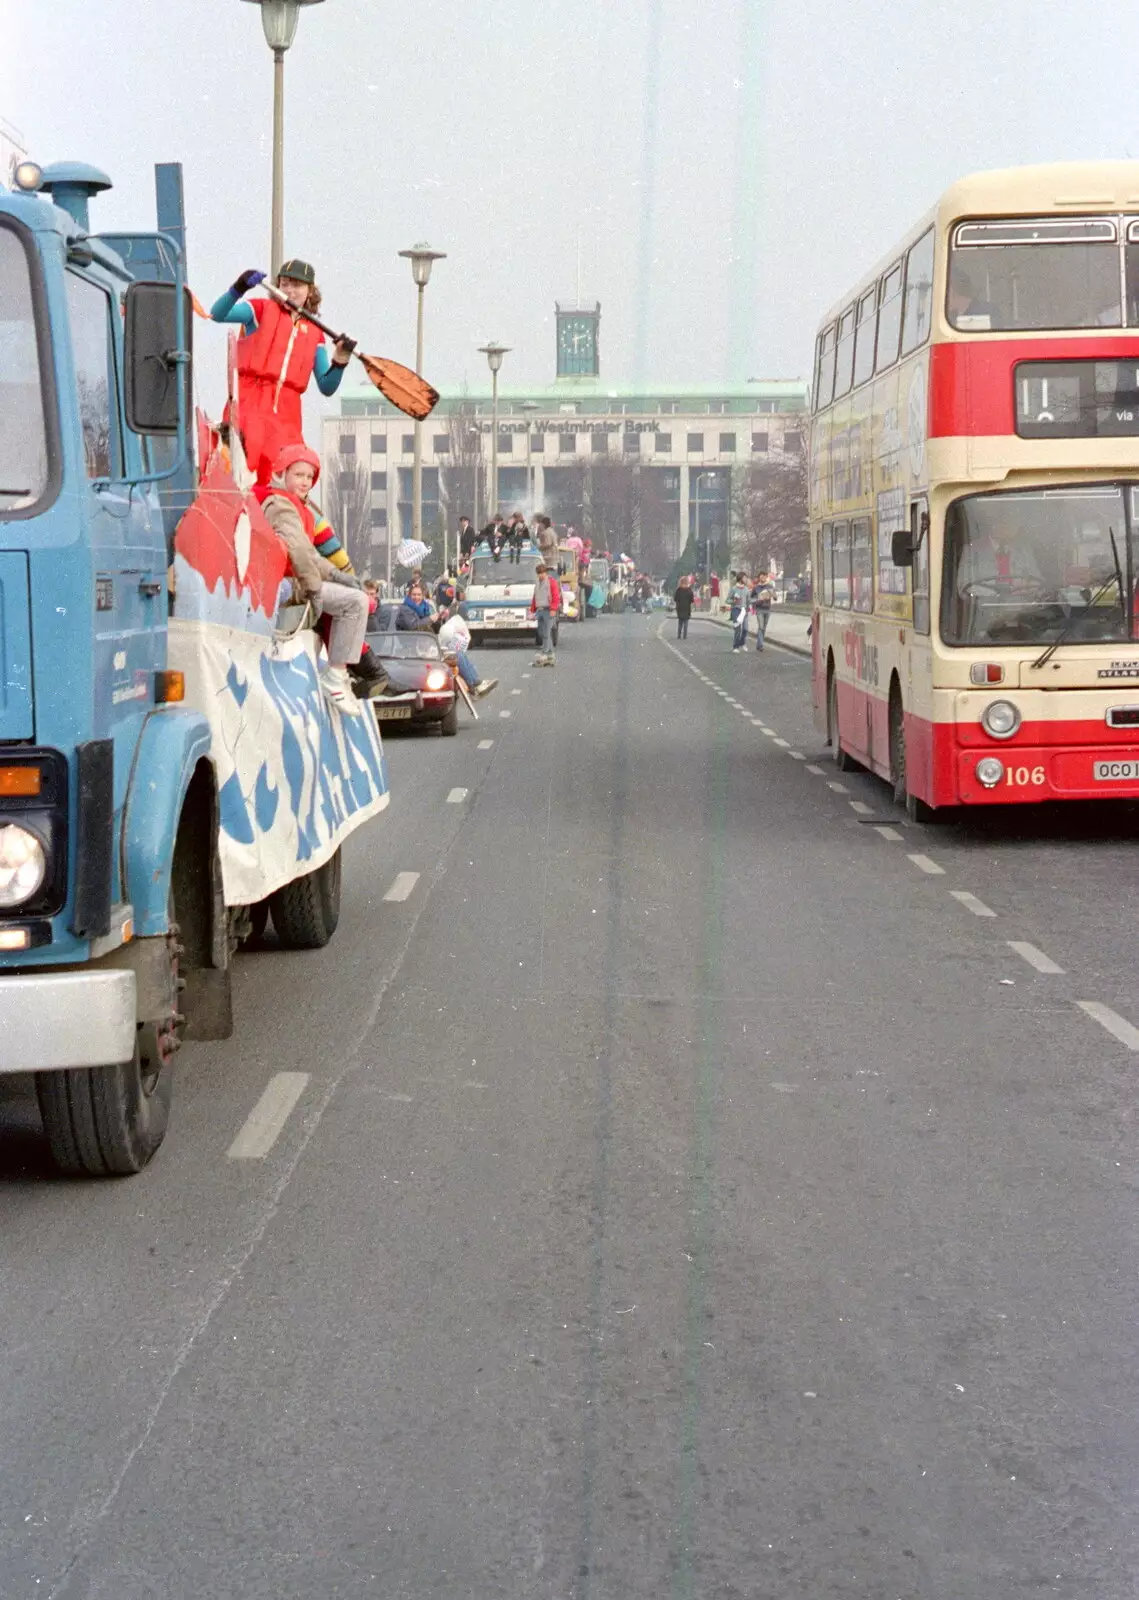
[405,389]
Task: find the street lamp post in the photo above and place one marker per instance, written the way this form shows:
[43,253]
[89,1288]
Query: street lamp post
[700,478]
[494,353]
[279,20]
[422,258]
[478,472]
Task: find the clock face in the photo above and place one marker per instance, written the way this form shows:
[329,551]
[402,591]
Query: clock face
[576,338]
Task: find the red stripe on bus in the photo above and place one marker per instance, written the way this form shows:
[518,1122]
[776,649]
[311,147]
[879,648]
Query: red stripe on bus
[971,384]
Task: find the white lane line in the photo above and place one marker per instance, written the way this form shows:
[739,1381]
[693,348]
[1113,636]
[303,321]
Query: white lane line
[889,833]
[797,755]
[457,796]
[862,808]
[1112,1021]
[924,864]
[525,674]
[505,713]
[818,771]
[1035,958]
[970,902]
[260,1130]
[769,733]
[485,744]
[516,691]
[783,744]
[404,883]
[839,788]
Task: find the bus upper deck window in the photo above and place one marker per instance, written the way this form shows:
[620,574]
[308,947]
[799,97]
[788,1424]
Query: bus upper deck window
[1035,273]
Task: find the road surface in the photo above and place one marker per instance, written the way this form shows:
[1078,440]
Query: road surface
[679,1177]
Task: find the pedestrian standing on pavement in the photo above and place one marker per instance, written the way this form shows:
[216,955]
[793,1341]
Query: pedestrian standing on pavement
[762,595]
[683,601]
[545,603]
[739,598]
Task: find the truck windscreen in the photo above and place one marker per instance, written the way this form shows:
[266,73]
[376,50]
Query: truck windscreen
[486,570]
[23,433]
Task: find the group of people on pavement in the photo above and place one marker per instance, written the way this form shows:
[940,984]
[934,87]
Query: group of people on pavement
[747,598]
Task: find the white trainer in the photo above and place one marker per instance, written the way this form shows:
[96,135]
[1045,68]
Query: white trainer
[337,688]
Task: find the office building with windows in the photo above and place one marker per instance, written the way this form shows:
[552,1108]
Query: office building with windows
[647,465]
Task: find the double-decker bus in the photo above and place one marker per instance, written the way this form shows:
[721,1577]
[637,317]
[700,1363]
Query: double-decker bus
[974,488]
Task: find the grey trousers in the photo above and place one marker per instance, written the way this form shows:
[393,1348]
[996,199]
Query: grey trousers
[348,609]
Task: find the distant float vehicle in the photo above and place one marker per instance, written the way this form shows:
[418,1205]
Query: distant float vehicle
[974,495]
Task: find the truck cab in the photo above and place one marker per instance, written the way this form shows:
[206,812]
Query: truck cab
[498,593]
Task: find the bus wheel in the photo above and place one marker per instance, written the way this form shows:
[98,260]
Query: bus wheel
[306,911]
[916,810]
[844,762]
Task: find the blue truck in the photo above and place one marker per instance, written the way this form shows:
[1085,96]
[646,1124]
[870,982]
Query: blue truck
[170,774]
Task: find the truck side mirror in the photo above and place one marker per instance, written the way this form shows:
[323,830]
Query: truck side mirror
[902,547]
[157,357]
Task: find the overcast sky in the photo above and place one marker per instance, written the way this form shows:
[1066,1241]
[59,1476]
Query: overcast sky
[728,166]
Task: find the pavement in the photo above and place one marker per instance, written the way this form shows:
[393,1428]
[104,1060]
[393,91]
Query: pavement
[697,1182]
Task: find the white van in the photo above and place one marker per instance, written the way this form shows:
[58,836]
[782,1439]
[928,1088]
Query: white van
[496,601]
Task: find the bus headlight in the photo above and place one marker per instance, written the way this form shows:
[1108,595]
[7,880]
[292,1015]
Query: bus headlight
[23,866]
[989,771]
[1001,719]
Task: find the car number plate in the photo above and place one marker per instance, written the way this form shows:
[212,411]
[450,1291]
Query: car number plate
[393,713]
[1115,771]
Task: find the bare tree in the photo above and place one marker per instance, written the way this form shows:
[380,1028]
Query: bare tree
[464,478]
[769,515]
[347,503]
[615,504]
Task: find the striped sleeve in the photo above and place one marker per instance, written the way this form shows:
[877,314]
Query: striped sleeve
[329,546]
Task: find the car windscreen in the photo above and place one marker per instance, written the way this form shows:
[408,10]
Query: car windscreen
[486,570]
[406,646]
[1027,566]
[23,421]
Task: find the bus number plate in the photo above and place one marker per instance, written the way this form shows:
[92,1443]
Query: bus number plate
[1115,771]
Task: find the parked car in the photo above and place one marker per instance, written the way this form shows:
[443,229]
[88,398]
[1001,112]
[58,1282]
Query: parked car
[413,662]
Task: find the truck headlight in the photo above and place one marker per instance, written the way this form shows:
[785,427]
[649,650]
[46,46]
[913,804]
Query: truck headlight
[23,866]
[1001,719]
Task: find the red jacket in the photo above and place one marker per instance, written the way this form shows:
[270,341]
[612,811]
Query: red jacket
[280,352]
[555,597]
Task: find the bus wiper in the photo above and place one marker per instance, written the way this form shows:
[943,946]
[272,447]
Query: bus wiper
[1115,577]
[17,493]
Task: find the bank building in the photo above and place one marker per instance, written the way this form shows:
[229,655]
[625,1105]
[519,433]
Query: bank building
[640,468]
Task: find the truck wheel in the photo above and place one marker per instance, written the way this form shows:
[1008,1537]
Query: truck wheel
[450,723]
[105,1121]
[306,911]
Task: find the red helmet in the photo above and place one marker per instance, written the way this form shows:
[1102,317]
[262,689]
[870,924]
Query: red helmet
[291,454]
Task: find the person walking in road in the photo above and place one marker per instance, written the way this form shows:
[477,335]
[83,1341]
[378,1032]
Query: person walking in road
[739,598]
[762,596]
[683,601]
[545,604]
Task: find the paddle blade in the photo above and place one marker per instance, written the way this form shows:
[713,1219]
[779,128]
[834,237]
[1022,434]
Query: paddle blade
[403,387]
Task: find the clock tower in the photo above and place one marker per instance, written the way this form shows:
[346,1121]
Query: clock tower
[579,352]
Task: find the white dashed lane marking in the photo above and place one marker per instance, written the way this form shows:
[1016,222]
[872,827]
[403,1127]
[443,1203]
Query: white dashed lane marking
[504,713]
[783,744]
[1112,1021]
[924,864]
[818,771]
[485,744]
[862,808]
[261,1128]
[889,833]
[769,733]
[839,788]
[404,883]
[1035,958]
[516,691]
[796,755]
[971,903]
[457,796]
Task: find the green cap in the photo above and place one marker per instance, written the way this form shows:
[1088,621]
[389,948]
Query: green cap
[301,270]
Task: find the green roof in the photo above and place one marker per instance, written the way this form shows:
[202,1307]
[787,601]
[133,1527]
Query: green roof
[585,390]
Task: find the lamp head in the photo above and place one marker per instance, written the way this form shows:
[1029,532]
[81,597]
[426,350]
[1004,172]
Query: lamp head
[279,20]
[422,257]
[494,353]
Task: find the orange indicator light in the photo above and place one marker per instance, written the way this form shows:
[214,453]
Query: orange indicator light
[169,687]
[20,780]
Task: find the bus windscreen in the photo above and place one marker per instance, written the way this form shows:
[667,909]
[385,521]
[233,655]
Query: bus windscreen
[1026,567]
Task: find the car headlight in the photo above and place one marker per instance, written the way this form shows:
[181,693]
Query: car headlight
[436,678]
[989,771]
[23,866]
[1000,718]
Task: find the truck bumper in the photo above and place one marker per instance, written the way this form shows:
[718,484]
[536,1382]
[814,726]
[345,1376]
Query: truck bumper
[66,1019]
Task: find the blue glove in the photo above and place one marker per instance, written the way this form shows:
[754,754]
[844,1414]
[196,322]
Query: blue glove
[248,280]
